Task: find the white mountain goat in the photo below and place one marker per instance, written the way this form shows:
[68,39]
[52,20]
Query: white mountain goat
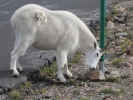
[52,30]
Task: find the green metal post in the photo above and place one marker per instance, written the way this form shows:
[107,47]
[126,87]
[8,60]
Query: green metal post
[102,30]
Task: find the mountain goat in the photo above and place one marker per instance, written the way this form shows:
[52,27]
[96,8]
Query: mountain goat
[52,30]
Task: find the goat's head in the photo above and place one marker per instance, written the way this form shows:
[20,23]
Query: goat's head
[92,57]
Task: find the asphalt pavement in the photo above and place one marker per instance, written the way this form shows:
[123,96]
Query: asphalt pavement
[82,8]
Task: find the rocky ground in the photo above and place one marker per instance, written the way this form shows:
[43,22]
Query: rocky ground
[43,84]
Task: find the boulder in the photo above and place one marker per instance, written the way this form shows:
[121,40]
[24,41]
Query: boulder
[110,25]
[95,75]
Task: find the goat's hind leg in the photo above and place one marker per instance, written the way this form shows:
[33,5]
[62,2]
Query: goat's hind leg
[21,46]
[19,68]
[66,71]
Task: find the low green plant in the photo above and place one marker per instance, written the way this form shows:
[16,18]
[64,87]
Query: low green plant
[76,92]
[25,85]
[73,82]
[107,91]
[15,94]
[116,61]
[130,37]
[114,12]
[111,79]
[47,71]
[124,76]
[111,91]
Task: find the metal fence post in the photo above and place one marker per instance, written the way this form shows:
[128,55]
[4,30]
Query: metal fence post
[102,31]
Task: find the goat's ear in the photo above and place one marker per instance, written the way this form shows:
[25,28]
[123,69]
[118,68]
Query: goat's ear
[95,45]
[42,18]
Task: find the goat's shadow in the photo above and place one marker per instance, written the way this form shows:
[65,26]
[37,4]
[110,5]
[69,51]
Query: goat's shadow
[35,78]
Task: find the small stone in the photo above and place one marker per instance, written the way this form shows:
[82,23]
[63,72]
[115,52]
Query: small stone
[118,47]
[118,50]
[123,56]
[102,88]
[3,97]
[121,34]
[119,20]
[121,9]
[122,38]
[108,99]
[101,76]
[130,60]
[95,75]
[115,74]
[117,29]
[111,37]
[111,50]
[113,43]
[121,41]
[110,25]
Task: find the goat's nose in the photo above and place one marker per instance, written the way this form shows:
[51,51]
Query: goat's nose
[92,68]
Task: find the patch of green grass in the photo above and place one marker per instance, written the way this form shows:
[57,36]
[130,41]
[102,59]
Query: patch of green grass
[26,85]
[107,91]
[114,12]
[76,92]
[111,79]
[122,91]
[116,61]
[130,36]
[47,71]
[15,94]
[41,90]
[84,99]
[111,91]
[73,82]
[125,76]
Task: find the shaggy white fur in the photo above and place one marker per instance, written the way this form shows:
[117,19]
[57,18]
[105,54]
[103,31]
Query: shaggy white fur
[52,30]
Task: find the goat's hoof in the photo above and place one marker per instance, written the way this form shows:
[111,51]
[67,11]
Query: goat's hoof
[70,75]
[62,79]
[14,73]
[20,70]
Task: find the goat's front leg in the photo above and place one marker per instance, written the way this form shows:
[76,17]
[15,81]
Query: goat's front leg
[61,61]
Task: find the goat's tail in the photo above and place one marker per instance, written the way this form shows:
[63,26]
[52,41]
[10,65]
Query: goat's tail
[42,18]
[13,23]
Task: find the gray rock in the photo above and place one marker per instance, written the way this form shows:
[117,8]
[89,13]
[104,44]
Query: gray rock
[101,76]
[115,74]
[1,91]
[10,83]
[3,97]
[95,75]
[110,25]
[121,34]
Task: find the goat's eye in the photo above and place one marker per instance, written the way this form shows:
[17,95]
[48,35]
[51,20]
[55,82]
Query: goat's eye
[97,54]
